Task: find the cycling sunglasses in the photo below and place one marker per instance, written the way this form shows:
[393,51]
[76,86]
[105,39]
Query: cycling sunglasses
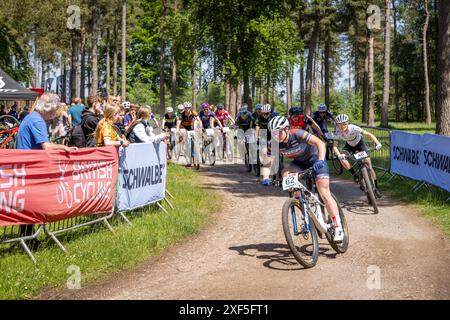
[265,113]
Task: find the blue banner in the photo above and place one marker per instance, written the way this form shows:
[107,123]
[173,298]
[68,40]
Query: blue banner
[406,154]
[142,175]
[436,160]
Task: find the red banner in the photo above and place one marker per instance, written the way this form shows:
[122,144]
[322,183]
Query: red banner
[39,186]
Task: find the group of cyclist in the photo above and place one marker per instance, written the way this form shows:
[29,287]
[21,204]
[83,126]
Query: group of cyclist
[306,148]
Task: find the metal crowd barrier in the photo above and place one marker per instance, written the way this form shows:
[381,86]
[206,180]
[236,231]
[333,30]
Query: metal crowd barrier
[381,159]
[13,234]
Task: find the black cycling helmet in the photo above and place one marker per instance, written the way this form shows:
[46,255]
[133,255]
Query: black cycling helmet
[295,111]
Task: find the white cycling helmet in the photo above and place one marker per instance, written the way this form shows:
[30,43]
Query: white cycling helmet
[180,107]
[341,118]
[126,105]
[322,108]
[266,108]
[278,123]
[187,104]
[169,109]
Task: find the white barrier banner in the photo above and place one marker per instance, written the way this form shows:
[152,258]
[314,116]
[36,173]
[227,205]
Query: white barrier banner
[436,160]
[406,154]
[142,175]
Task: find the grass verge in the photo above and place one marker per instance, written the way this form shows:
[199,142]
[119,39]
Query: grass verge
[431,201]
[98,252]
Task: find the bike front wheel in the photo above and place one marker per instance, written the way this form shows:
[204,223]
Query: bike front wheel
[367,178]
[300,233]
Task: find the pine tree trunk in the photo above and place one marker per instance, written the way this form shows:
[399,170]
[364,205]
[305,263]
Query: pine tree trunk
[365,102]
[115,53]
[36,63]
[83,66]
[247,96]
[370,84]
[302,86]
[396,91]
[124,52]
[261,91]
[43,75]
[317,64]
[327,69]
[443,124]
[194,77]
[162,49]
[73,66]
[288,91]
[425,65]
[238,96]
[108,63]
[273,102]
[174,71]
[387,66]
[94,86]
[227,95]
[63,80]
[232,105]
[267,89]
[309,63]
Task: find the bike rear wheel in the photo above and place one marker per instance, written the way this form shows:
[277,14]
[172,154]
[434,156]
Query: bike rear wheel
[9,125]
[337,165]
[369,188]
[301,234]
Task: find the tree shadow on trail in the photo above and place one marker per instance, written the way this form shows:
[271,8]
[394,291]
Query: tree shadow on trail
[278,256]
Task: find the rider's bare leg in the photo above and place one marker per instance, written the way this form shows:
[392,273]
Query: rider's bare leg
[323,186]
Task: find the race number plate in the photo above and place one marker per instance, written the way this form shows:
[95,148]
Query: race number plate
[291,181]
[210,132]
[361,155]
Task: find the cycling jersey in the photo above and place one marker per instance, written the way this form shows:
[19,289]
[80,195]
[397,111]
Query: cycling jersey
[297,147]
[187,121]
[300,123]
[353,135]
[321,120]
[170,122]
[222,116]
[206,118]
[244,124]
[262,123]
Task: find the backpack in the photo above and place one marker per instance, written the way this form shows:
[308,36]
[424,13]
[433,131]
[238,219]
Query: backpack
[77,138]
[129,134]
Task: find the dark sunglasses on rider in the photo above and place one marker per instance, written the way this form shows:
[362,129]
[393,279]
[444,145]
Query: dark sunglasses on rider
[265,113]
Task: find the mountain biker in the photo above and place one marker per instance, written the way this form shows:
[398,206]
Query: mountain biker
[186,120]
[244,119]
[222,115]
[170,119]
[307,151]
[262,122]
[354,142]
[256,114]
[207,117]
[297,120]
[321,116]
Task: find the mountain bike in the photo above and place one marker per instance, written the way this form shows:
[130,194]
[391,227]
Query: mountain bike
[208,148]
[305,219]
[337,165]
[9,127]
[192,156]
[364,178]
[226,145]
[170,142]
[249,141]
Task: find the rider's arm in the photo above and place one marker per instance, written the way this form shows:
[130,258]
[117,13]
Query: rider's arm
[335,149]
[371,136]
[178,124]
[218,121]
[315,126]
[321,147]
[330,115]
[231,119]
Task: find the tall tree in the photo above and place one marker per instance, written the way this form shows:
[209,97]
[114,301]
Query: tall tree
[115,52]
[443,124]
[124,50]
[370,82]
[162,49]
[425,64]
[387,65]
[94,85]
[309,63]
[108,62]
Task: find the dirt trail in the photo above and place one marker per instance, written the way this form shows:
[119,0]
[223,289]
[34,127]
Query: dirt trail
[243,253]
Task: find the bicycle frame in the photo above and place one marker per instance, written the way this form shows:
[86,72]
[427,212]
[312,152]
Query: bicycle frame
[13,131]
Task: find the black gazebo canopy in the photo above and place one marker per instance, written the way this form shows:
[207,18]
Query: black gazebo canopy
[12,90]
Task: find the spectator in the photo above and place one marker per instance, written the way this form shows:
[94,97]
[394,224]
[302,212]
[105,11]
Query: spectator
[33,132]
[4,110]
[60,124]
[140,130]
[24,113]
[13,111]
[75,112]
[106,132]
[126,117]
[90,118]
[114,100]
